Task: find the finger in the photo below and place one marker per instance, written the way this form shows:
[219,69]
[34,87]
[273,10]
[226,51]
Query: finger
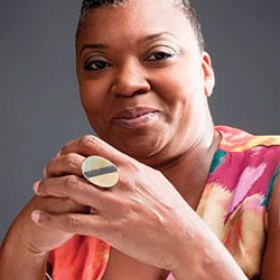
[91,145]
[64,164]
[61,205]
[74,188]
[82,224]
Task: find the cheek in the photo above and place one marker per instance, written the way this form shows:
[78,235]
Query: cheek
[93,104]
[92,96]
[182,91]
[92,91]
[174,89]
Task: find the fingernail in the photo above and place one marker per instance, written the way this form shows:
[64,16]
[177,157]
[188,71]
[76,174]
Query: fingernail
[35,216]
[45,172]
[36,187]
[58,154]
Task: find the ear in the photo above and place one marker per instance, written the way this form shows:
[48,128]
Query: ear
[208,74]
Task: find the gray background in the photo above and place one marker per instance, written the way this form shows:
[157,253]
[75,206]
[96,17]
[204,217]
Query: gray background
[39,101]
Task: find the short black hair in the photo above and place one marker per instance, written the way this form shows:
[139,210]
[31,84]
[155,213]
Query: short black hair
[185,5]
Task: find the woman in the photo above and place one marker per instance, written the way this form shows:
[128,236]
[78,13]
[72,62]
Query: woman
[193,201]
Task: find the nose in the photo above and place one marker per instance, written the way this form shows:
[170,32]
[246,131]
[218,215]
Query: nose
[130,79]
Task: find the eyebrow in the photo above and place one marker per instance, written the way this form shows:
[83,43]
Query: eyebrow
[92,46]
[142,40]
[156,35]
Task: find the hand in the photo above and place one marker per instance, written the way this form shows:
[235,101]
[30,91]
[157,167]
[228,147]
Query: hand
[40,240]
[140,216]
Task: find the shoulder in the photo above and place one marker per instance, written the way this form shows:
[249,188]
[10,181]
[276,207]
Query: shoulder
[271,259]
[237,140]
[247,162]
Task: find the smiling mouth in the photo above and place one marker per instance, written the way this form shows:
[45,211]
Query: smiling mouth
[133,118]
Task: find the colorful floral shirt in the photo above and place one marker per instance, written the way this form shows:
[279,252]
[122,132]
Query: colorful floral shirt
[234,205]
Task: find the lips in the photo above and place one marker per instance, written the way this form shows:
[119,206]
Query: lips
[135,117]
[131,113]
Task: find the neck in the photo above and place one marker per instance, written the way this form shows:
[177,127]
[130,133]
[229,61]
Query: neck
[188,172]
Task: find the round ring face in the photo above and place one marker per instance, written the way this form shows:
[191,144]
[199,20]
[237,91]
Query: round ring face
[100,171]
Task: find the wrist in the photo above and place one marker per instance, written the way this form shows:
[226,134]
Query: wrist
[203,256]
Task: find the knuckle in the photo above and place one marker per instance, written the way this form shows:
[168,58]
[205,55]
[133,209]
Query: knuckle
[70,184]
[72,223]
[46,219]
[41,189]
[86,141]
[70,160]
[128,183]
[49,167]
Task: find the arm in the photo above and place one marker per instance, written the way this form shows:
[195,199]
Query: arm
[271,262]
[142,209]
[17,258]
[210,259]
[24,252]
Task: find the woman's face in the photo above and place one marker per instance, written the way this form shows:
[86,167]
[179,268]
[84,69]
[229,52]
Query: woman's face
[143,80]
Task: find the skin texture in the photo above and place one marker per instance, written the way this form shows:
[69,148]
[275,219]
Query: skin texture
[150,91]
[175,87]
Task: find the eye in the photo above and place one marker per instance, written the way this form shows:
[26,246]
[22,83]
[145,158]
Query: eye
[161,55]
[96,65]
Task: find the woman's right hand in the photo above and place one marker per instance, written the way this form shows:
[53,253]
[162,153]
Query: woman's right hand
[24,251]
[39,240]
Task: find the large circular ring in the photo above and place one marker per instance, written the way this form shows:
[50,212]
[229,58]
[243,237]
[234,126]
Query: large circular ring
[100,171]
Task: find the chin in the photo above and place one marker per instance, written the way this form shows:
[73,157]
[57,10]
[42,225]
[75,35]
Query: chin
[142,151]
[142,145]
[137,150]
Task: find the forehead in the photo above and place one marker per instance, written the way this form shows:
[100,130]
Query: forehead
[135,19]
